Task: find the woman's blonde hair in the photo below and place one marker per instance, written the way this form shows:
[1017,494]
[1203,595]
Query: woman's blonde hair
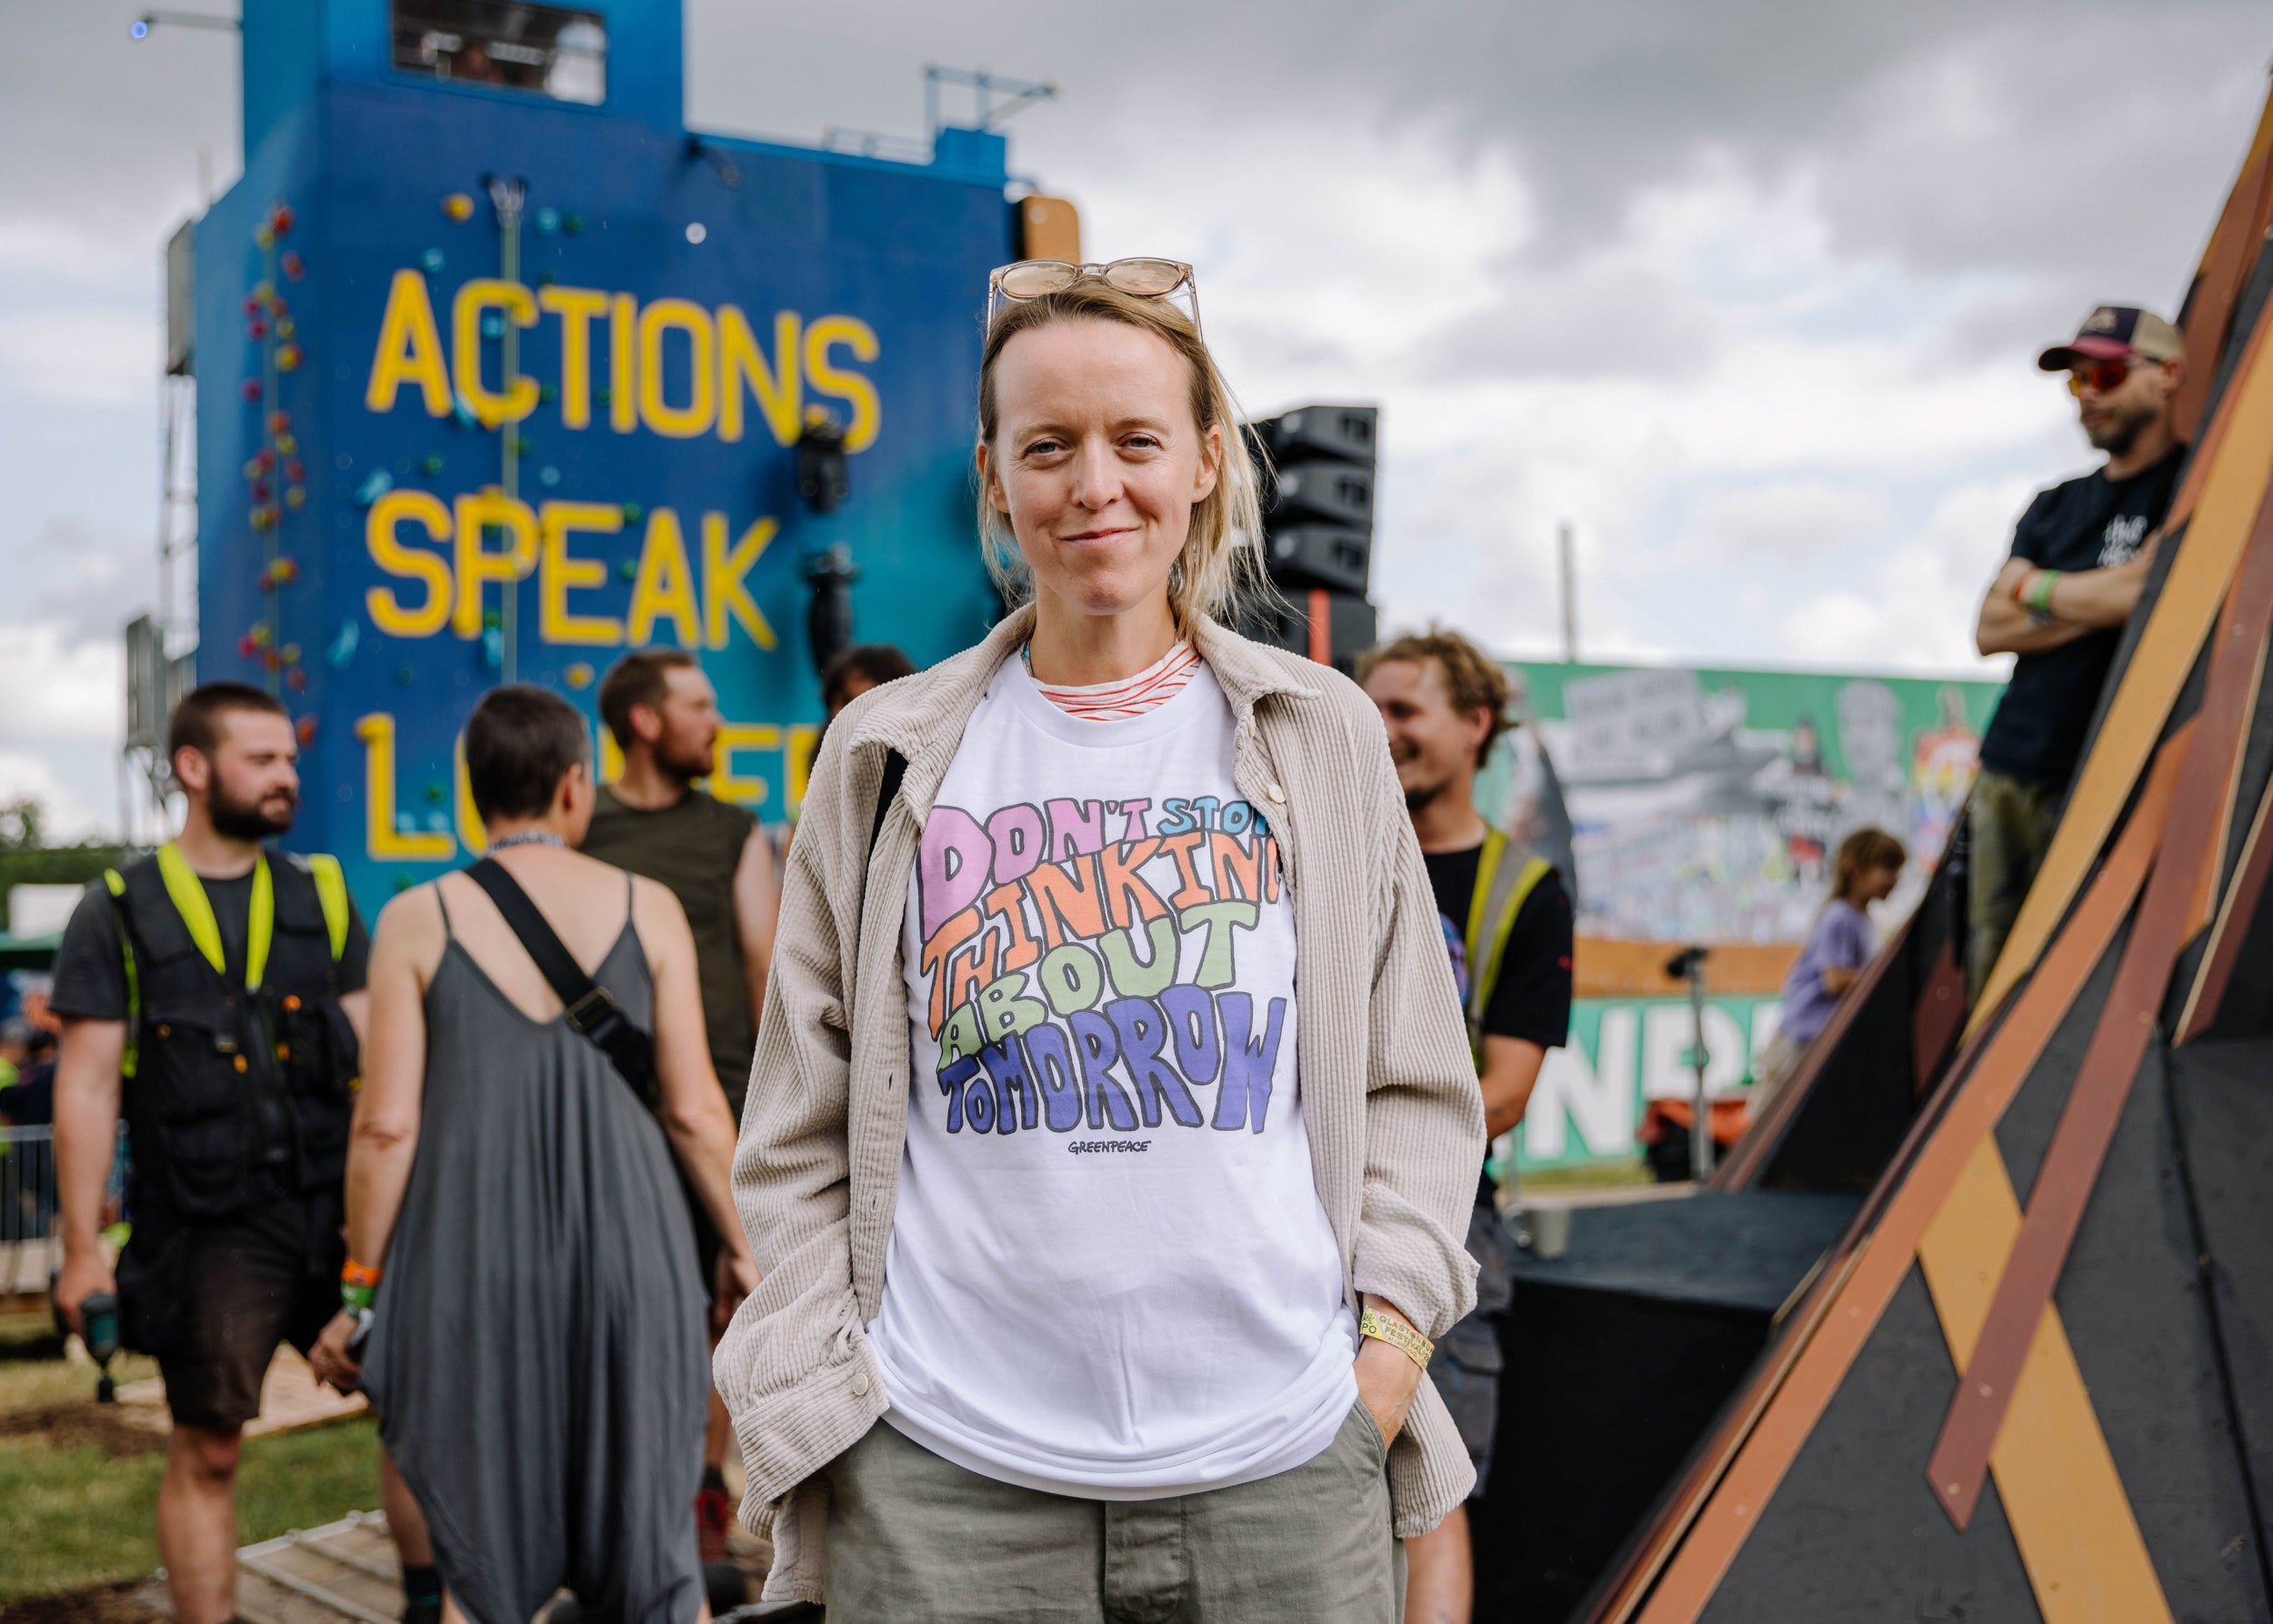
[1220,571]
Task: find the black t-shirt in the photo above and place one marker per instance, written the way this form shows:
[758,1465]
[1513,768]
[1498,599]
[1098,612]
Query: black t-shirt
[1531,999]
[2091,523]
[91,971]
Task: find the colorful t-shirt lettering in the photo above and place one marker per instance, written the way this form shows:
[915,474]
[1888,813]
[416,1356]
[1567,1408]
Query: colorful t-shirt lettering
[1109,1273]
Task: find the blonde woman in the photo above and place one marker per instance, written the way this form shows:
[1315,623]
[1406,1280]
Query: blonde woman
[1113,1128]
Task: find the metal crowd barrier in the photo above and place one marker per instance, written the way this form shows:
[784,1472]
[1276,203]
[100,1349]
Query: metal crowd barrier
[31,1236]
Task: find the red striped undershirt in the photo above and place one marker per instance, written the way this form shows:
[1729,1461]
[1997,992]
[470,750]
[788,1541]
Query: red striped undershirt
[1149,689]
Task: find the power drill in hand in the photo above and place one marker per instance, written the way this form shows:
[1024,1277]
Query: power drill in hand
[98,1329]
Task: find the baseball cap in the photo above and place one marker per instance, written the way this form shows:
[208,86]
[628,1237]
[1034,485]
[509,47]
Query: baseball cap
[2115,330]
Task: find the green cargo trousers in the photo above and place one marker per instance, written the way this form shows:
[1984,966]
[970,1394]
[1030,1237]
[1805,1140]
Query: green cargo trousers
[912,1536]
[2012,825]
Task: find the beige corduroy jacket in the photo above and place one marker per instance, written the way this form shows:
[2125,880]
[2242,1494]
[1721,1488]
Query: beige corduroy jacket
[1388,1090]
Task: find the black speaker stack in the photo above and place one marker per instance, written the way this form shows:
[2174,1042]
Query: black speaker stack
[1317,529]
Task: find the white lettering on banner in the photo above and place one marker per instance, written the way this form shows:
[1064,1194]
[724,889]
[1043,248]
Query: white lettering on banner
[1639,1053]
[1598,1099]
[1669,1029]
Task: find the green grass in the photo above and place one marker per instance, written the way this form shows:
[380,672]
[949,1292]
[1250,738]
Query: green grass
[76,1514]
[1593,1175]
[34,1374]
[79,1517]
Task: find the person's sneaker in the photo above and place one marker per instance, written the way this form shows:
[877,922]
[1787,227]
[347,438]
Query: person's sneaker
[714,1515]
[422,1612]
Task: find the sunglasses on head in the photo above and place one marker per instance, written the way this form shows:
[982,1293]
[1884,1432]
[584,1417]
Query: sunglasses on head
[1144,278]
[2104,376]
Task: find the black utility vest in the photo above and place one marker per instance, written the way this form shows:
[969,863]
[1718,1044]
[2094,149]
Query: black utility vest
[234,1094]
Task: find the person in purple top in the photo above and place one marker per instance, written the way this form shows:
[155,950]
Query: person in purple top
[1869,866]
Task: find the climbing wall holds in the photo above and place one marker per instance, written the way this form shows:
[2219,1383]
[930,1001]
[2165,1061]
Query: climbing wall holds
[457,207]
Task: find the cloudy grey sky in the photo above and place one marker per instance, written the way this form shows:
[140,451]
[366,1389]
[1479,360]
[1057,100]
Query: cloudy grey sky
[1745,290]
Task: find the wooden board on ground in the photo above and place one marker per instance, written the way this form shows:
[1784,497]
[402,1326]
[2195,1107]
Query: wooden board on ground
[342,1573]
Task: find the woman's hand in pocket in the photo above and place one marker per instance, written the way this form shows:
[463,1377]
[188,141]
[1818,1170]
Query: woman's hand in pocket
[1387,1380]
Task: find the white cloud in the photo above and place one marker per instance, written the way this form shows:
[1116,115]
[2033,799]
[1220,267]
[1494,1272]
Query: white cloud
[80,356]
[62,730]
[60,690]
[69,815]
[45,246]
[1918,612]
[1785,521]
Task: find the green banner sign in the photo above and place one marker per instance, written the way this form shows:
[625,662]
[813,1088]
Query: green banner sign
[1704,805]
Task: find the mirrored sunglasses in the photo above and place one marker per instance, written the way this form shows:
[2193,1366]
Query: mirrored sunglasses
[2103,376]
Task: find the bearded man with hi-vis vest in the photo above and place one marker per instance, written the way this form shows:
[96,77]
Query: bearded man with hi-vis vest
[1507,920]
[211,995]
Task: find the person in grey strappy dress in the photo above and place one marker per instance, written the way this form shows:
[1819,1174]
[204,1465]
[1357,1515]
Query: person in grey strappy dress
[538,1353]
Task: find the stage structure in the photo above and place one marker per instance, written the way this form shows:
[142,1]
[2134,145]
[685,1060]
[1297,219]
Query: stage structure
[2028,1372]
[501,371]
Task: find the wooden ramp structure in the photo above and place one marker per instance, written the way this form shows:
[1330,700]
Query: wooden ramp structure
[343,1571]
[2033,1376]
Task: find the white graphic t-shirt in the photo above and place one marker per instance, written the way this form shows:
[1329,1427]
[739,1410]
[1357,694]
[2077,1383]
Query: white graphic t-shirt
[1109,1273]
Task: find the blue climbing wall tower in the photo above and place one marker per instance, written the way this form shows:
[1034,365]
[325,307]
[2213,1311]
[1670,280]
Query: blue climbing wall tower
[501,370]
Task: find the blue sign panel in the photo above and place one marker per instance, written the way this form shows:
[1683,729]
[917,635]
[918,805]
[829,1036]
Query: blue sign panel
[495,386]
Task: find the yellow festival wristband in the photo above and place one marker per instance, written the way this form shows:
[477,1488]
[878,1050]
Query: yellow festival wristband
[1398,1335]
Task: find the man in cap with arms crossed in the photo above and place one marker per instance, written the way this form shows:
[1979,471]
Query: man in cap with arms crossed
[2079,559]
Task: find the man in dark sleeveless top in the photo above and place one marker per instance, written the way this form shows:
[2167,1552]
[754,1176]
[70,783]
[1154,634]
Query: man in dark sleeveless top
[652,821]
